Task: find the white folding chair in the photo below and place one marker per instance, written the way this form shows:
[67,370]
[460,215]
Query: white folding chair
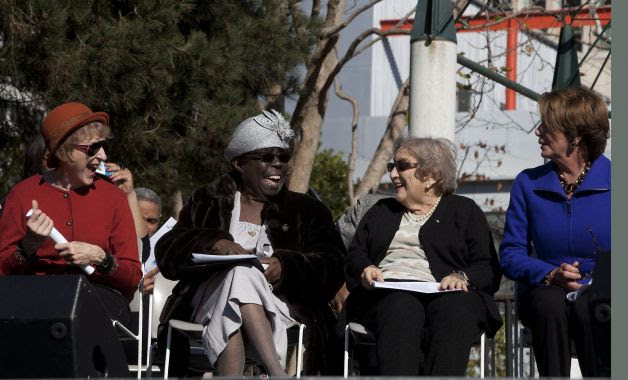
[361,335]
[135,306]
[194,333]
[161,290]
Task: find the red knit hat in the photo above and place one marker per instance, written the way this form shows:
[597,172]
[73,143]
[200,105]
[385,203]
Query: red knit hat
[65,119]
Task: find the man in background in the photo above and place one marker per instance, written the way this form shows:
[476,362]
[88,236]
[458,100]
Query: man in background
[150,209]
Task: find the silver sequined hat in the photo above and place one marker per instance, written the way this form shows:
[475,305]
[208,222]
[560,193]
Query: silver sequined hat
[266,130]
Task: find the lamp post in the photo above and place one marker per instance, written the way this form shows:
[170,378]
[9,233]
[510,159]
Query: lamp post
[433,70]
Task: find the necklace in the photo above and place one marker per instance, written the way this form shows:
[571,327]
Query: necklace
[420,218]
[571,188]
[251,231]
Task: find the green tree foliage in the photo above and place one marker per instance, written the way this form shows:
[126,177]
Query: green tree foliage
[175,76]
[329,180]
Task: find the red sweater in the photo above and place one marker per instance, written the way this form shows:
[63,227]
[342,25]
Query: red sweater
[98,214]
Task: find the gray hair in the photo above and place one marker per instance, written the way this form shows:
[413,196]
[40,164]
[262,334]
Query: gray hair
[436,158]
[146,194]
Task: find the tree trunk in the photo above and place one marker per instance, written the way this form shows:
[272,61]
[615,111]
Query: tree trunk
[309,113]
[354,139]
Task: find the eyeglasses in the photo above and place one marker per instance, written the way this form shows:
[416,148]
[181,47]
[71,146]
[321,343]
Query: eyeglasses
[152,220]
[270,157]
[92,149]
[401,165]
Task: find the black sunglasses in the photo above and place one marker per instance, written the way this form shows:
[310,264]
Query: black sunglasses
[269,157]
[92,149]
[401,166]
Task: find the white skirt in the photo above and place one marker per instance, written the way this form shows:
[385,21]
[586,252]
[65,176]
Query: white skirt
[217,307]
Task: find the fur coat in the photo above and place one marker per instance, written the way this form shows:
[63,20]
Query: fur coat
[303,237]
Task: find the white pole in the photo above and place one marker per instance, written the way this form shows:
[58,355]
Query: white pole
[433,70]
[433,89]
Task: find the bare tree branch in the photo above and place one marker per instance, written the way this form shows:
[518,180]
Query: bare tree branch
[326,32]
[354,137]
[316,8]
[397,121]
[353,50]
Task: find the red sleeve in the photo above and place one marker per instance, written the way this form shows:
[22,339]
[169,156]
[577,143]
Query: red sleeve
[12,230]
[124,248]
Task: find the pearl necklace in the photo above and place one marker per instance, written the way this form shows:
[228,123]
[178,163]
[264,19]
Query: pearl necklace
[421,218]
[571,188]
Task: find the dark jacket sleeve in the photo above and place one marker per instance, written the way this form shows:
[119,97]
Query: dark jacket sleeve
[192,234]
[483,265]
[358,255]
[315,272]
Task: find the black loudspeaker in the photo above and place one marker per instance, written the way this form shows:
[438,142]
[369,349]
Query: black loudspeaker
[55,326]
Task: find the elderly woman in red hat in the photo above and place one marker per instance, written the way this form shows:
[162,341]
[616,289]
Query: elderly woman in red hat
[90,212]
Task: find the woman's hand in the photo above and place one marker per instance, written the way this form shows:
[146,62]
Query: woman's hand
[38,227]
[227,247]
[566,276]
[122,177]
[148,282]
[79,253]
[454,281]
[370,274]
[338,303]
[273,272]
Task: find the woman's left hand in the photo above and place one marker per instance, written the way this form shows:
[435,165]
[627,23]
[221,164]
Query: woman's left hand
[454,281]
[79,253]
[273,272]
[122,177]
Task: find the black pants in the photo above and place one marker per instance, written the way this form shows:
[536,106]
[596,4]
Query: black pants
[554,321]
[422,334]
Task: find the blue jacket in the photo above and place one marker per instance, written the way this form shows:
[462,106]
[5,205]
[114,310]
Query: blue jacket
[544,228]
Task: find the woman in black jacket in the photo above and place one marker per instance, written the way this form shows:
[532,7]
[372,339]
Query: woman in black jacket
[425,233]
[249,210]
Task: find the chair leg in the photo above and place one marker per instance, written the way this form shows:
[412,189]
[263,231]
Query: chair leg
[532,362]
[345,371]
[517,347]
[300,351]
[149,362]
[482,354]
[149,338]
[139,339]
[167,361]
[521,352]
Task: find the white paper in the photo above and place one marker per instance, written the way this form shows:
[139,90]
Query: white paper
[151,262]
[413,286]
[203,258]
[58,238]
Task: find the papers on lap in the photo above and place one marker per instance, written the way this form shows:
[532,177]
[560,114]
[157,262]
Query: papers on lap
[412,286]
[203,258]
